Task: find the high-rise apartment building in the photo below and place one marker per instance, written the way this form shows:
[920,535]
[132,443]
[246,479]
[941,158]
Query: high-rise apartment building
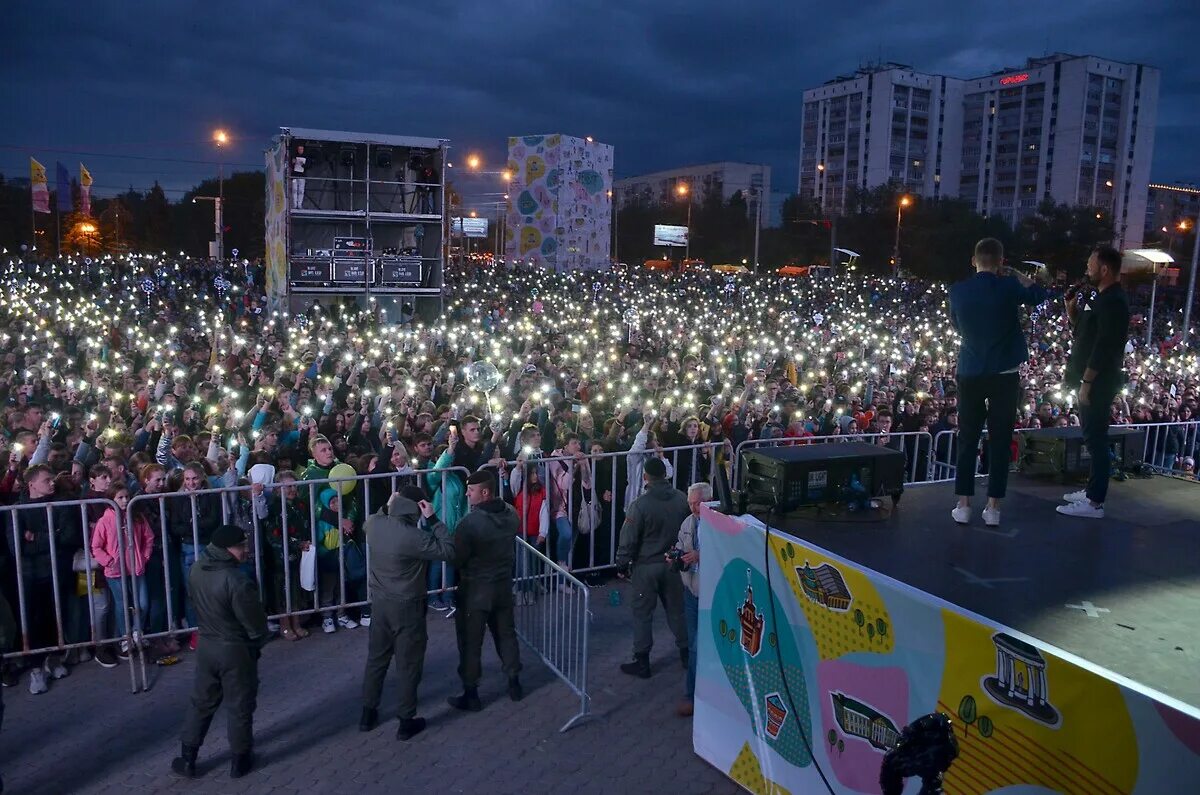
[1077,130]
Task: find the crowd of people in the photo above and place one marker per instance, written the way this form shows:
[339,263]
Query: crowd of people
[162,377]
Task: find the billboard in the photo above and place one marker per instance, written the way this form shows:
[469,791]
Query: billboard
[666,235]
[469,227]
[809,662]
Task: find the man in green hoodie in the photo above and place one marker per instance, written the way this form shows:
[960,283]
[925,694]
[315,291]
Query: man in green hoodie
[233,628]
[403,539]
[485,553]
[651,528]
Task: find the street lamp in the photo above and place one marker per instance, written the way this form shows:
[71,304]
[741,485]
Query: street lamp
[220,138]
[683,191]
[218,224]
[473,162]
[904,202]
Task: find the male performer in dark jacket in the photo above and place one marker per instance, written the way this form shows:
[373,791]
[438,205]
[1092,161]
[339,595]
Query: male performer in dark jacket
[1096,365]
[233,629]
[403,540]
[485,552]
[651,528]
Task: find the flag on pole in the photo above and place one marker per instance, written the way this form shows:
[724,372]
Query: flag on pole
[63,188]
[41,190]
[85,190]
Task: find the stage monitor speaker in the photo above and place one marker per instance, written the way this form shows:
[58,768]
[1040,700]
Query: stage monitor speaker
[813,474]
[1061,451]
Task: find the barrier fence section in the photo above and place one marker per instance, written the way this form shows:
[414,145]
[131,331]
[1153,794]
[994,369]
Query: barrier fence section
[553,618]
[283,520]
[1164,448]
[582,528]
[63,602]
[917,446]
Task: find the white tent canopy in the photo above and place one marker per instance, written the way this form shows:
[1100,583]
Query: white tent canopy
[1144,260]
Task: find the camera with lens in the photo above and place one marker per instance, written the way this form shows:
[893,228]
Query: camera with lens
[675,556]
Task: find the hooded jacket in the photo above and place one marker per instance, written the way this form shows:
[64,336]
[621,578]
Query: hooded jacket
[485,549]
[652,524]
[228,608]
[402,543]
[110,537]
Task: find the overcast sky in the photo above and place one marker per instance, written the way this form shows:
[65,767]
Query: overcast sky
[668,83]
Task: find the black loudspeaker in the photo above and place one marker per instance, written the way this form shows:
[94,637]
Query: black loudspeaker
[1062,453]
[787,478]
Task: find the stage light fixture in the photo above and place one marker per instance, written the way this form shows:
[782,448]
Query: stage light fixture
[383,157]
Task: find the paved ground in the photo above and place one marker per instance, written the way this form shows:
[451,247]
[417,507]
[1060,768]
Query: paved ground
[89,734]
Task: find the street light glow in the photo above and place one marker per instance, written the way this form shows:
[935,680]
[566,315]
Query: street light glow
[220,137]
[905,201]
[682,189]
[87,228]
[473,162]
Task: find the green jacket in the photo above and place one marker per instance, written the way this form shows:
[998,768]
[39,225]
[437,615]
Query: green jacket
[485,547]
[228,607]
[652,524]
[451,508]
[402,544]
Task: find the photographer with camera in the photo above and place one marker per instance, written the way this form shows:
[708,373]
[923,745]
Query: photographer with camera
[684,558]
[651,528]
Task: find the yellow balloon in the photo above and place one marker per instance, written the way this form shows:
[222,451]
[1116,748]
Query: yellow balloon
[343,471]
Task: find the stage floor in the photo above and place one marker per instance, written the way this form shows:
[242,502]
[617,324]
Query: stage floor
[1122,592]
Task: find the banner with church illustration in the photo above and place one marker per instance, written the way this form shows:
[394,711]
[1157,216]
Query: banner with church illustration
[864,655]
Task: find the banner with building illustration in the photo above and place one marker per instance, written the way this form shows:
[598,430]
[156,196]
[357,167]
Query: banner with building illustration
[806,659]
[276,229]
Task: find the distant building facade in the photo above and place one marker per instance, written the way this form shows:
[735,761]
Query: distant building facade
[1078,130]
[753,180]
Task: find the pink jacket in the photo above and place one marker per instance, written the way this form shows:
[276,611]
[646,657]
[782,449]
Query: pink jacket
[562,473]
[106,549]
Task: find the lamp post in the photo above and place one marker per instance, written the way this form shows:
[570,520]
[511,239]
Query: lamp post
[683,191]
[220,138]
[904,202]
[217,222]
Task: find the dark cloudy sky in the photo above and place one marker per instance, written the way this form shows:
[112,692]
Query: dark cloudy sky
[667,82]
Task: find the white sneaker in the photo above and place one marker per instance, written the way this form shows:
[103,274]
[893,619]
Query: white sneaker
[37,682]
[346,622]
[961,514]
[273,627]
[328,627]
[1084,510]
[991,517]
[1076,496]
[364,620]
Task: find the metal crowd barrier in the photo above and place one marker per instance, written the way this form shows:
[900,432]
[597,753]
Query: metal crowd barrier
[898,441]
[65,534]
[553,618]
[623,493]
[245,513]
[1164,445]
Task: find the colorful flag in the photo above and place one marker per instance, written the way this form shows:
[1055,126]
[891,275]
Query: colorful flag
[62,187]
[41,190]
[85,190]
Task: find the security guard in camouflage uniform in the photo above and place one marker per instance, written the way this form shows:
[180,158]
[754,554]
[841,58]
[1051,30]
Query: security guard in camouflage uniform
[651,528]
[485,553]
[403,541]
[233,629]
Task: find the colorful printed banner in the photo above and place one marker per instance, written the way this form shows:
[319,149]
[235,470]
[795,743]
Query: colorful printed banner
[41,189]
[862,656]
[85,190]
[62,188]
[276,229]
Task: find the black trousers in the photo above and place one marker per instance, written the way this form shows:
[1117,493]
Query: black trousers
[1094,418]
[397,629]
[484,607]
[224,671]
[990,399]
